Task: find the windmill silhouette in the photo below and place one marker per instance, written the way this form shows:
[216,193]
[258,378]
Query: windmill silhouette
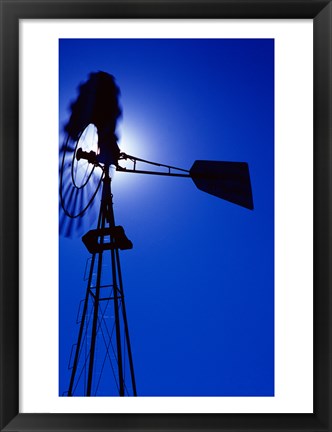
[88,156]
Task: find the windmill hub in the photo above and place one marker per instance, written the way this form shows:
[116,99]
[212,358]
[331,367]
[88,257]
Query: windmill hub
[91,156]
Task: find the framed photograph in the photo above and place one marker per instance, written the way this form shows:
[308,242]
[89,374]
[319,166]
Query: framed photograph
[165,253]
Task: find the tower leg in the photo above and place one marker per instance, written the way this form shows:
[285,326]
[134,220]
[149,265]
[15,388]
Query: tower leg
[83,319]
[126,329]
[80,334]
[95,320]
[117,326]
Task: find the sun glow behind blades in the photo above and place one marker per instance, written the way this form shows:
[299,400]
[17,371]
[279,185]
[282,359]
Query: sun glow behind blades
[132,141]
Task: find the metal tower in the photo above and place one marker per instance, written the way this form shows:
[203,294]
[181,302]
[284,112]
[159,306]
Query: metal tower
[103,319]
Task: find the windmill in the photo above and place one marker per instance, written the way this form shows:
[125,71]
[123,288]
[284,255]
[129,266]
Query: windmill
[88,157]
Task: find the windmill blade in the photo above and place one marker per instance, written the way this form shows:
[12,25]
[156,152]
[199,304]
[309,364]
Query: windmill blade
[227,180]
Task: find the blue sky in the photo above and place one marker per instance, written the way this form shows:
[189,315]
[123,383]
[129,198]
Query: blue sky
[199,281]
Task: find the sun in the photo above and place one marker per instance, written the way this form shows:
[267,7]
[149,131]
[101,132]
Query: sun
[135,142]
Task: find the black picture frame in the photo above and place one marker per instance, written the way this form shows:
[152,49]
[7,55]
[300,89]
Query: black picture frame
[11,12]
